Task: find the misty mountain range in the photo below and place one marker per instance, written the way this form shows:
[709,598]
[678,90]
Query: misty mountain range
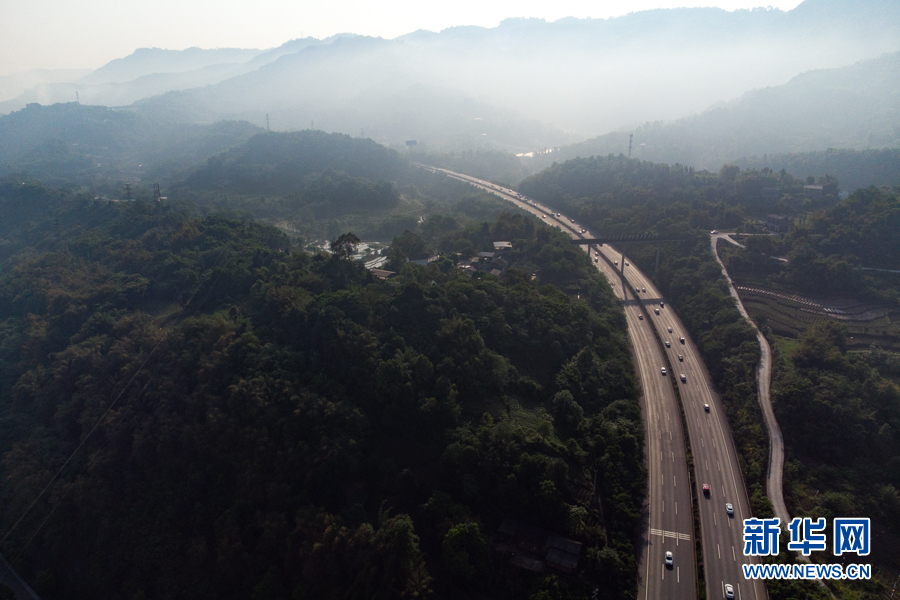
[583,76]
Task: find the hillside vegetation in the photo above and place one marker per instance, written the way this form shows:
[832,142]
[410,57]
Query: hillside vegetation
[277,424]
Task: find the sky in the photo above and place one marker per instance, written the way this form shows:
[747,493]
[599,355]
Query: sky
[86,34]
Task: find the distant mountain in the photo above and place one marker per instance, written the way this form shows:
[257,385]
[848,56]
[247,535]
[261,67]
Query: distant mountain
[852,168]
[853,107]
[17,83]
[148,61]
[75,144]
[583,76]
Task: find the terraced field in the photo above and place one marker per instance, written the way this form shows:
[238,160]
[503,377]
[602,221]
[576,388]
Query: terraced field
[790,315]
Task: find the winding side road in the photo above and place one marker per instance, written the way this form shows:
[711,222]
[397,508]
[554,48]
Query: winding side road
[775,472]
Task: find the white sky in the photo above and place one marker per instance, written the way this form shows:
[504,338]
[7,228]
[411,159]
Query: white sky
[56,34]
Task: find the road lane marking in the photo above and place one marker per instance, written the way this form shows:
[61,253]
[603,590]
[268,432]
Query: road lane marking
[676,508]
[715,520]
[733,555]
[678,575]
[719,550]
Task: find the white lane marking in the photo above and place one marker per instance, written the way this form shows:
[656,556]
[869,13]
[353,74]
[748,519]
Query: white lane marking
[664,573]
[719,550]
[677,574]
[718,464]
[707,464]
[664,506]
[676,508]
[674,483]
[733,555]
[702,443]
[715,520]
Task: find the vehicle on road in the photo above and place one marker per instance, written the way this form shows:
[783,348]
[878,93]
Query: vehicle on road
[729,591]
[641,317]
[706,407]
[663,370]
[670,330]
[626,264]
[662,304]
[615,262]
[643,289]
[583,230]
[670,560]
[706,489]
[729,508]
[681,339]
[573,220]
[714,231]
[683,378]
[656,310]
[596,259]
[668,344]
[680,358]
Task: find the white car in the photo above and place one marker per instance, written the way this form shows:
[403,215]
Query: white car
[714,231]
[668,344]
[729,508]
[683,378]
[670,560]
[663,370]
[656,310]
[626,264]
[681,340]
[729,591]
[680,358]
[643,289]
[670,330]
[706,407]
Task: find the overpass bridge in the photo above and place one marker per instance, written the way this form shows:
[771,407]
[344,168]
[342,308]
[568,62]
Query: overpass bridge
[642,238]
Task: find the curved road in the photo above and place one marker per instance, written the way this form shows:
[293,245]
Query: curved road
[669,520]
[763,379]
[715,458]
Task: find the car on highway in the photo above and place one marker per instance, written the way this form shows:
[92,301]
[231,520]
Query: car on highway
[729,508]
[683,378]
[706,489]
[662,304]
[670,560]
[668,344]
[643,289]
[706,407]
[663,370]
[681,339]
[626,264]
[680,358]
[596,259]
[596,253]
[656,310]
[729,591]
[641,317]
[573,220]
[615,262]
[670,329]
[583,230]
[543,216]
[558,214]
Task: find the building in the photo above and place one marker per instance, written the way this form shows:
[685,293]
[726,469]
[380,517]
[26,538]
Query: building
[382,274]
[813,191]
[501,246]
[777,223]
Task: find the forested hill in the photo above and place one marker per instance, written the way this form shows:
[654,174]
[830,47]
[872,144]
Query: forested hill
[283,425]
[279,163]
[852,107]
[73,144]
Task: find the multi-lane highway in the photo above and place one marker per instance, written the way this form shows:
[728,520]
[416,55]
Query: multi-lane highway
[669,523]
[670,526]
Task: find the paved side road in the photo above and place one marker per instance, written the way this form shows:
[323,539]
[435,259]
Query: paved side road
[775,473]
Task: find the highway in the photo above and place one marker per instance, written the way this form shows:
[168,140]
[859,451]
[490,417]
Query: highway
[668,520]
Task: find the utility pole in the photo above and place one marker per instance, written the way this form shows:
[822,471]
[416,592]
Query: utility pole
[630,135]
[77,100]
[158,198]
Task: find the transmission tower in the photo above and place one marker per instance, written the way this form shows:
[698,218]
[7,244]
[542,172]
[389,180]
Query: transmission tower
[77,100]
[630,135]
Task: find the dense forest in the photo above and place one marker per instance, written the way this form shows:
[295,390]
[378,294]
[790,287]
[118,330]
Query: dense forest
[837,409]
[231,417]
[616,195]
